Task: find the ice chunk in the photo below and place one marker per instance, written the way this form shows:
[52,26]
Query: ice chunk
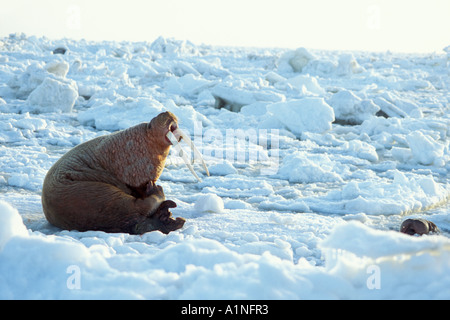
[20,180]
[402,155]
[401,195]
[273,77]
[296,59]
[389,108]
[121,114]
[360,149]
[171,46]
[209,203]
[234,99]
[425,150]
[308,114]
[35,74]
[348,65]
[351,109]
[188,85]
[52,96]
[413,85]
[255,109]
[222,169]
[301,167]
[33,124]
[393,105]
[306,82]
[59,68]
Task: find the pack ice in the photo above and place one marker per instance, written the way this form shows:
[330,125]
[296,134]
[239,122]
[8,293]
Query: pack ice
[356,142]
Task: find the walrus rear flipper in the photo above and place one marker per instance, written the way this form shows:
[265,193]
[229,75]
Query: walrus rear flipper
[161,220]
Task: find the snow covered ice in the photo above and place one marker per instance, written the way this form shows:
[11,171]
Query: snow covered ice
[356,142]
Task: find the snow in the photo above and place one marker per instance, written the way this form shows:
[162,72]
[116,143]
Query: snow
[316,157]
[209,203]
[11,224]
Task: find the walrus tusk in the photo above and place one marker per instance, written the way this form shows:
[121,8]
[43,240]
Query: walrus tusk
[182,153]
[178,133]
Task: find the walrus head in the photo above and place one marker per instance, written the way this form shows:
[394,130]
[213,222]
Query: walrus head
[418,226]
[163,123]
[167,123]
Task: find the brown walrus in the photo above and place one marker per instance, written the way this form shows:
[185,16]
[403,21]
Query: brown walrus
[418,226]
[108,183]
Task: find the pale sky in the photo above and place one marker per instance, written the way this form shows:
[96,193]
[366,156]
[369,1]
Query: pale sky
[374,25]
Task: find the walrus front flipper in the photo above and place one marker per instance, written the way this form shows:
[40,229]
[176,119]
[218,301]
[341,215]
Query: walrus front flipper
[161,220]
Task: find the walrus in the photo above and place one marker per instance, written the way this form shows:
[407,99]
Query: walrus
[109,183]
[418,226]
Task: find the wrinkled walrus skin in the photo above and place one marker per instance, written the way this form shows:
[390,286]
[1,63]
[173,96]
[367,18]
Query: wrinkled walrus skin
[108,183]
